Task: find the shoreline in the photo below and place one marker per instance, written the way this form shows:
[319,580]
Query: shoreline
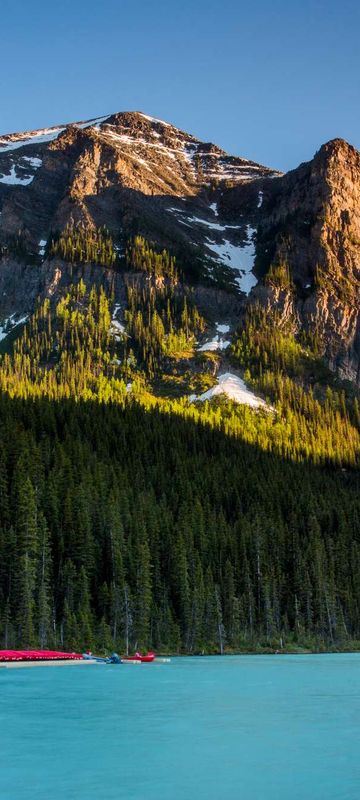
[266,652]
[165,656]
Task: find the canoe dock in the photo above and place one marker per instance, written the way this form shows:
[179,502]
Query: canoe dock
[19,659]
[63,662]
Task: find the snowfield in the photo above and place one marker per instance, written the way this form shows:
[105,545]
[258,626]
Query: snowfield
[239,258]
[35,162]
[14,180]
[217,342]
[235,388]
[215,226]
[38,137]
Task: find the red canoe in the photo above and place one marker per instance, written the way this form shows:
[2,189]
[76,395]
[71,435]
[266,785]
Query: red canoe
[138,657]
[38,655]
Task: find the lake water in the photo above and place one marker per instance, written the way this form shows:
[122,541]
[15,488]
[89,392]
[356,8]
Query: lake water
[253,727]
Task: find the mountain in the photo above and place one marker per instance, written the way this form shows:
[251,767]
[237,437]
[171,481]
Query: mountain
[179,404]
[230,222]
[128,171]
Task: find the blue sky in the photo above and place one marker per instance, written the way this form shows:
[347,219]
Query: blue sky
[267,80]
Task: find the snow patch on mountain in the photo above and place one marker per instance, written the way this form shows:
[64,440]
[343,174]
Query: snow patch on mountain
[116,327]
[14,180]
[215,226]
[239,257]
[34,162]
[10,323]
[125,139]
[234,388]
[37,137]
[155,119]
[92,123]
[134,141]
[217,342]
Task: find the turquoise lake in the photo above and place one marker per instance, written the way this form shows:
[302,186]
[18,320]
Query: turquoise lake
[253,727]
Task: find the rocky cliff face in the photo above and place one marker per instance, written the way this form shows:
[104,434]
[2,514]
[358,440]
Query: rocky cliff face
[311,228]
[291,242]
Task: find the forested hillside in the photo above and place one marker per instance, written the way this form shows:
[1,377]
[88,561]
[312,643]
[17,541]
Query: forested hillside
[120,523]
[134,520]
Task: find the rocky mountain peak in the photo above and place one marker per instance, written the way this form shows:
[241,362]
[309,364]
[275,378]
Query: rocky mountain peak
[130,172]
[311,229]
[337,150]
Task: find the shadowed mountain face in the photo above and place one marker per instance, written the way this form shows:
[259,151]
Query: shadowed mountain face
[290,242]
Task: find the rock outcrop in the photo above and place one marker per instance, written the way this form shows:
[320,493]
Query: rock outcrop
[310,228]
